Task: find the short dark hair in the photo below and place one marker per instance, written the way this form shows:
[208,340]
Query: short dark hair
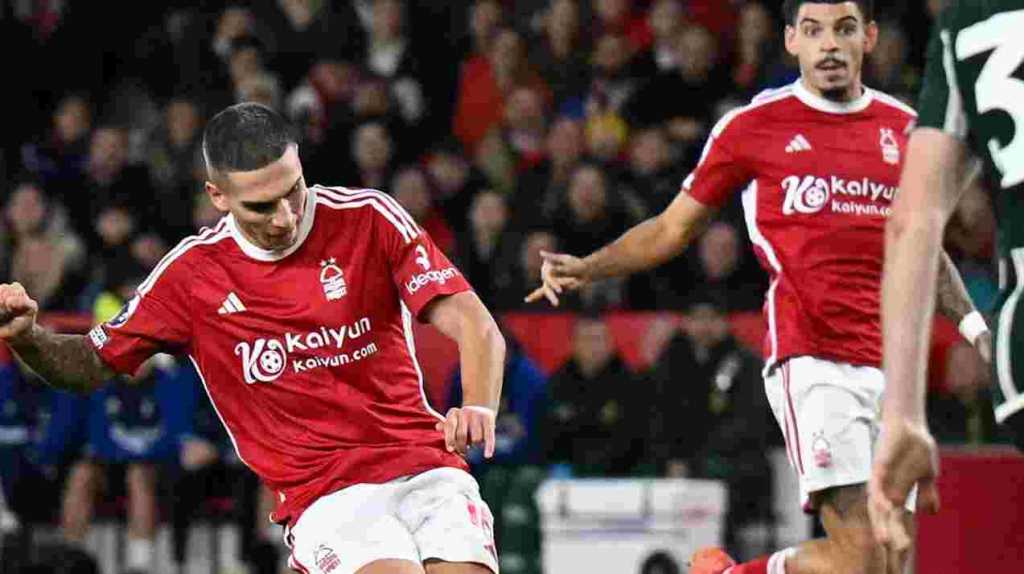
[245,137]
[790,8]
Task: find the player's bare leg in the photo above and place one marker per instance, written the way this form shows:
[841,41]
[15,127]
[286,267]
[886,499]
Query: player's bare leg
[439,567]
[83,484]
[140,481]
[391,567]
[850,545]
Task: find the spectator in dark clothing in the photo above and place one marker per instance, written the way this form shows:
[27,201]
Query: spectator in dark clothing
[590,216]
[711,419]
[525,270]
[517,144]
[389,54]
[486,246]
[597,413]
[171,158]
[521,411]
[684,99]
[559,53]
[59,159]
[301,30]
[665,20]
[108,179]
[722,264]
[372,156]
[541,189]
[456,182]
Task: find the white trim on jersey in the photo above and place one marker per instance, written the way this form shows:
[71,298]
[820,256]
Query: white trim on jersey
[895,102]
[750,214]
[410,343]
[213,403]
[344,193]
[331,198]
[828,106]
[1004,365]
[955,123]
[762,99]
[205,237]
[260,254]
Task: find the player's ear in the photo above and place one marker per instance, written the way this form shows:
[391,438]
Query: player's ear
[217,196]
[870,37]
[792,43]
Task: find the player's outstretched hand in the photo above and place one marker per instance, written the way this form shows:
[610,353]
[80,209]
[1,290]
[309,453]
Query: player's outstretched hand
[17,311]
[559,273]
[906,455]
[468,426]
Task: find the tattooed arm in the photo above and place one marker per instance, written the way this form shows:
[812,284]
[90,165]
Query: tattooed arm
[67,362]
[951,297]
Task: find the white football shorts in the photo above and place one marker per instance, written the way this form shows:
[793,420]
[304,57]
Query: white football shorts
[830,416]
[435,514]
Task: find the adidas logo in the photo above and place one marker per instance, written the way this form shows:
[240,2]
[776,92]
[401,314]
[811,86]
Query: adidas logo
[798,144]
[232,304]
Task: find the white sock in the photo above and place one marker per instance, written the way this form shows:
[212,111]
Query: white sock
[777,562]
[139,554]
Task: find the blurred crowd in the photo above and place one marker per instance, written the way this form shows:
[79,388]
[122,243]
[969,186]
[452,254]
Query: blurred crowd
[505,128]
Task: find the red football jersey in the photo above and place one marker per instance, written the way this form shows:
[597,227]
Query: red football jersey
[307,354]
[819,180]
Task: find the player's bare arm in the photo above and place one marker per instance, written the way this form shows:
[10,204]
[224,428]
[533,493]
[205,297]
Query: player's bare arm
[954,302]
[643,247]
[66,362]
[906,451]
[465,319]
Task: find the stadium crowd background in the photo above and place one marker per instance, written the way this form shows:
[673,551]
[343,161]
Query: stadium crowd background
[504,127]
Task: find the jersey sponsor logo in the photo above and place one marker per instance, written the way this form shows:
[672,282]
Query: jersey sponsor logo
[890,148]
[434,276]
[811,194]
[332,279]
[266,359]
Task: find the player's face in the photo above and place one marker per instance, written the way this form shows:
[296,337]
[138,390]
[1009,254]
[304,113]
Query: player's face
[830,41]
[267,203]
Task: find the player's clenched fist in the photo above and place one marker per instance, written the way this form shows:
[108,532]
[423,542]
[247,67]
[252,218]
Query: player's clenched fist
[468,426]
[17,311]
[559,272]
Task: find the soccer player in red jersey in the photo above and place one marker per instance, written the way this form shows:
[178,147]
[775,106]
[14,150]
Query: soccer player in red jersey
[297,311]
[820,162]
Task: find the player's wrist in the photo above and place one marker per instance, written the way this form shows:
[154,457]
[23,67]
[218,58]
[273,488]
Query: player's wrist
[482,409]
[973,326]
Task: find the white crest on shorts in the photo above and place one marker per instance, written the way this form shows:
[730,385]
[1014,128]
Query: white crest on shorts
[332,279]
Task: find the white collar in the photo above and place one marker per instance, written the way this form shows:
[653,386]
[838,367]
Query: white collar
[261,254]
[822,105]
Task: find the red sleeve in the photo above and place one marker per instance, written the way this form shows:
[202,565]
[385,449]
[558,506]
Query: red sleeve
[721,171]
[419,270]
[154,320]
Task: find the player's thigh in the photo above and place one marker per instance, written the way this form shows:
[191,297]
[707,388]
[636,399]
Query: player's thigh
[350,530]
[434,566]
[452,525]
[391,567]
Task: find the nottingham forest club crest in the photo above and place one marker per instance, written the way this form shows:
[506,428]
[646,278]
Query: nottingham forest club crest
[890,147]
[332,280]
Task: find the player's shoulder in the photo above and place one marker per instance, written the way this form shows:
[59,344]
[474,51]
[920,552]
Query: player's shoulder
[186,255]
[344,206]
[890,104]
[764,104]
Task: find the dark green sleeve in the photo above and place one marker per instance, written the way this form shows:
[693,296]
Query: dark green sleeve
[940,105]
